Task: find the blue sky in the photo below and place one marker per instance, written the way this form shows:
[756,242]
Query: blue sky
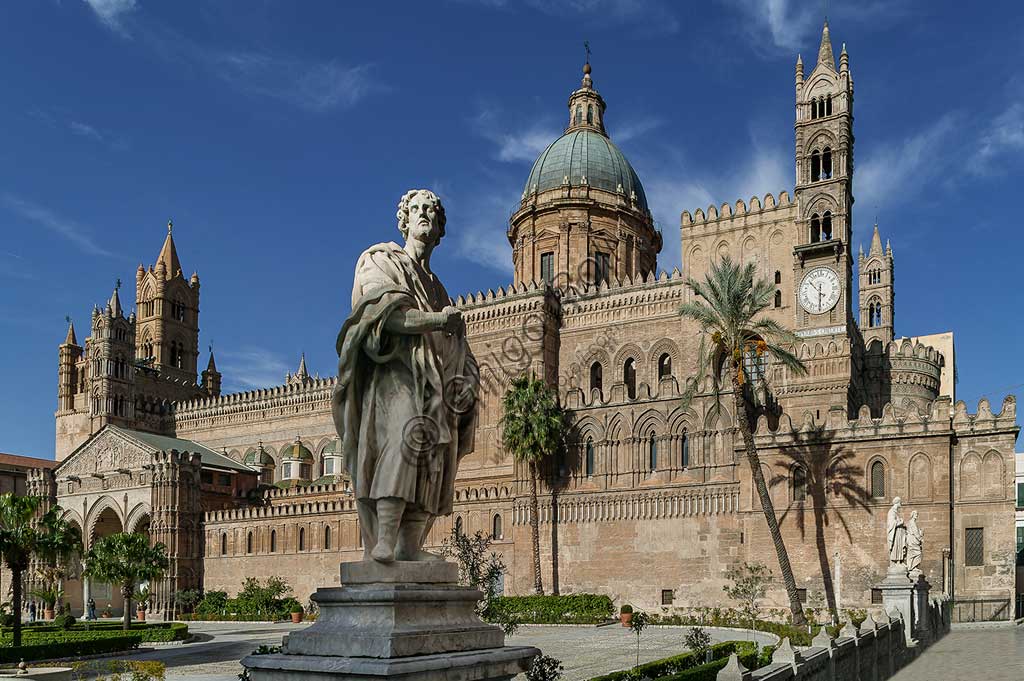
[279,136]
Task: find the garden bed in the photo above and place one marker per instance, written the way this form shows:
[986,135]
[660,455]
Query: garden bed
[158,632]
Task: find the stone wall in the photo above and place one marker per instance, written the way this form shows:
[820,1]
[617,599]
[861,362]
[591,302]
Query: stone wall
[874,652]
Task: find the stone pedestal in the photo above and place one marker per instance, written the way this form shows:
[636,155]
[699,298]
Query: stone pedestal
[404,620]
[898,594]
[921,588]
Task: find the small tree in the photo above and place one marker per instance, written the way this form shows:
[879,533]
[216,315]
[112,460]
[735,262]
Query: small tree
[637,625]
[21,536]
[698,641]
[125,559]
[188,598]
[532,429]
[544,668]
[749,585]
[482,569]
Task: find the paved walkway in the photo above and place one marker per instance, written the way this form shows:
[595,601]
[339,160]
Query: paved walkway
[585,651]
[982,654]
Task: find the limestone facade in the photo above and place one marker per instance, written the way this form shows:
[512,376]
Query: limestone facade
[652,501]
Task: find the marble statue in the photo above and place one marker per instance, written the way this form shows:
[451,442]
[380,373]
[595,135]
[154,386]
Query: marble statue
[405,403]
[915,541]
[896,532]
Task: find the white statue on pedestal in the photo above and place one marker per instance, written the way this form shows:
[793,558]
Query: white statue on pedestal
[915,542]
[896,532]
[405,403]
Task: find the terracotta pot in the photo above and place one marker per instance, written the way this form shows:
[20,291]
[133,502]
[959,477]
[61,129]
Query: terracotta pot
[47,614]
[625,618]
[296,617]
[140,615]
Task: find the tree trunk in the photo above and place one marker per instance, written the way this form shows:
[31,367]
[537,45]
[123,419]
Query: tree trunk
[126,592]
[740,408]
[16,588]
[538,585]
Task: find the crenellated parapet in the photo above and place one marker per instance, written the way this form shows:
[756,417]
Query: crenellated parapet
[984,420]
[203,412]
[294,508]
[915,370]
[718,218]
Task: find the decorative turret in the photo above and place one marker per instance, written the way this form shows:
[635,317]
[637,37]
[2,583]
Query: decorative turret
[876,275]
[586,106]
[211,377]
[68,383]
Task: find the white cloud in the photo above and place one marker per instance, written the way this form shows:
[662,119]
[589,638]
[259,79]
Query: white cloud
[482,238]
[788,26]
[252,367]
[112,12]
[650,16]
[630,130]
[64,227]
[1004,135]
[525,144]
[897,172]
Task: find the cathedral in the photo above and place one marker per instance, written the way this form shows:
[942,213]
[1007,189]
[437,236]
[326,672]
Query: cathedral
[652,502]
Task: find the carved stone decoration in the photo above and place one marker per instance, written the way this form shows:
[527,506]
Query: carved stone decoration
[106,453]
[915,542]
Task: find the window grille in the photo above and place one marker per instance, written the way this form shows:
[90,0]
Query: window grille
[799,484]
[876,596]
[974,546]
[878,480]
[666,596]
[547,268]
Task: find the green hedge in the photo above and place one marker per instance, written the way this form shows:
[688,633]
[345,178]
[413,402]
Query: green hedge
[157,632]
[69,648]
[568,609]
[688,665]
[798,636]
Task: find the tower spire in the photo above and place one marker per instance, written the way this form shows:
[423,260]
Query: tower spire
[115,301]
[70,339]
[876,243]
[825,55]
[169,254]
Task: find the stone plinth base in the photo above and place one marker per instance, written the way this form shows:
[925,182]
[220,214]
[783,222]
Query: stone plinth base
[494,664]
[403,620]
[898,595]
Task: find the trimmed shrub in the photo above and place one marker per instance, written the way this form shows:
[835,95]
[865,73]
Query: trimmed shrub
[689,666]
[69,647]
[63,621]
[156,632]
[569,609]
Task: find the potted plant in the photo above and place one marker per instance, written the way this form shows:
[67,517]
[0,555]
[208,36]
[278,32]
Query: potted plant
[50,596]
[626,614]
[108,611]
[296,613]
[141,597]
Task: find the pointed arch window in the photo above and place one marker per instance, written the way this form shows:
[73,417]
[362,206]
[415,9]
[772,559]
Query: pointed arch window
[685,450]
[248,543]
[828,105]
[815,229]
[815,166]
[652,453]
[664,366]
[595,377]
[629,377]
[327,538]
[589,457]
[497,532]
[826,226]
[778,277]
[826,164]
[778,299]
[878,480]
[799,477]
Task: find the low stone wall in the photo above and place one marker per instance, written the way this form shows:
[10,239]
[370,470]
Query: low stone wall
[874,652]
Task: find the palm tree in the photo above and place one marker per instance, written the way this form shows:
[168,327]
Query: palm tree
[21,537]
[58,541]
[125,559]
[737,342]
[533,427]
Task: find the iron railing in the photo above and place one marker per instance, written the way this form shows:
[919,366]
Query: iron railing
[983,609]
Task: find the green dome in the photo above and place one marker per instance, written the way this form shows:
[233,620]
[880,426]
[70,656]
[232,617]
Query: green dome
[296,451]
[333,447]
[258,457]
[589,154]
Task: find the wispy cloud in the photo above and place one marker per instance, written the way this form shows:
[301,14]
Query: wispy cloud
[646,16]
[252,367]
[1003,136]
[14,266]
[481,238]
[316,86]
[112,13]
[66,228]
[633,129]
[524,144]
[900,170]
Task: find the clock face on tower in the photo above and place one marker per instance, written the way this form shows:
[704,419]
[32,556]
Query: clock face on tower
[819,290]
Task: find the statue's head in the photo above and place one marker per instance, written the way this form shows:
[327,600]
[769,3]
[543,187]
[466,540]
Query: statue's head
[896,501]
[421,216]
[913,515]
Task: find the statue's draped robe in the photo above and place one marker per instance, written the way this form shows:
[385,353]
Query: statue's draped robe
[399,437]
[915,541]
[897,534]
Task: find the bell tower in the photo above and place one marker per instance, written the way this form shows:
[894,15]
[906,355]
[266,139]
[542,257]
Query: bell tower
[167,337]
[824,172]
[877,292]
